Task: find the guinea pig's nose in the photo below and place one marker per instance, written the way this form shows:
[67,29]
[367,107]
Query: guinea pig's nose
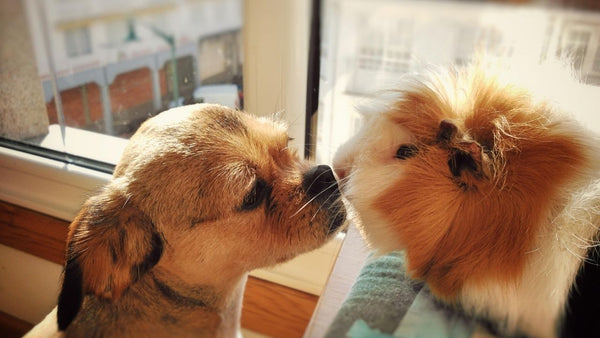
[340,172]
[340,165]
[320,183]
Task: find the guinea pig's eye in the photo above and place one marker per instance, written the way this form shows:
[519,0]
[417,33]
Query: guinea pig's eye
[255,196]
[406,150]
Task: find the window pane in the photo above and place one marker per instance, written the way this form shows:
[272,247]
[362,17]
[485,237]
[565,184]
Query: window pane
[96,70]
[77,41]
[367,46]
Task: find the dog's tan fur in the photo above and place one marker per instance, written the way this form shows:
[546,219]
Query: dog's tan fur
[165,248]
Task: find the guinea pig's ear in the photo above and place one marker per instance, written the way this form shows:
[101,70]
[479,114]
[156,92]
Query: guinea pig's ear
[111,244]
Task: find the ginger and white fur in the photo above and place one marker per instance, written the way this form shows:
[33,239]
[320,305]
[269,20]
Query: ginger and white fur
[504,239]
[202,195]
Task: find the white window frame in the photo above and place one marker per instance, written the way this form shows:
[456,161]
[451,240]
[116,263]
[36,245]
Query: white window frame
[276,36]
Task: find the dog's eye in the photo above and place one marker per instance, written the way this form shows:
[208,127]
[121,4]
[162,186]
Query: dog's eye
[255,196]
[406,150]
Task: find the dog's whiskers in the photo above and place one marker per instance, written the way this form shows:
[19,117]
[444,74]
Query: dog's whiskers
[325,202]
[316,179]
[313,198]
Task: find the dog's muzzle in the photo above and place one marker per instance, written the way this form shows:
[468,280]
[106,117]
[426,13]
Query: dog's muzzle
[320,186]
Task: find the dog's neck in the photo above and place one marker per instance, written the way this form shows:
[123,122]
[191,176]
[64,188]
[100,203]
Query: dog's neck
[162,303]
[223,299]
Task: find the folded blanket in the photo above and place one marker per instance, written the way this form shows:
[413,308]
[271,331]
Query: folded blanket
[380,296]
[385,302]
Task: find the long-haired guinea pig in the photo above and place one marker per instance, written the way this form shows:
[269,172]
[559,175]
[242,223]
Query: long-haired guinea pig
[492,191]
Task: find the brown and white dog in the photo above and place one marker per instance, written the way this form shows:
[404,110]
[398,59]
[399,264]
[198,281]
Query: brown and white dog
[202,195]
[492,191]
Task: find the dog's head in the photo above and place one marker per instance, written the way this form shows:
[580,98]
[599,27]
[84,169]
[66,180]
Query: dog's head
[203,191]
[461,170]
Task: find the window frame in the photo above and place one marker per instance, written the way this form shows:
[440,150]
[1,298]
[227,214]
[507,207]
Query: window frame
[275,80]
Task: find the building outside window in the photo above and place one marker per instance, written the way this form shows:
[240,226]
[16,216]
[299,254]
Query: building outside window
[104,69]
[371,45]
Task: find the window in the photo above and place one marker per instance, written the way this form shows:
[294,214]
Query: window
[103,70]
[368,45]
[384,51]
[77,41]
[144,57]
[580,38]
[575,41]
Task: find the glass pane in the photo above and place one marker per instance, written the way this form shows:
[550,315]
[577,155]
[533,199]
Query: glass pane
[367,46]
[90,72]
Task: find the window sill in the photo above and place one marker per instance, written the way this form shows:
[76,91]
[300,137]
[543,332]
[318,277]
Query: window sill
[47,186]
[58,189]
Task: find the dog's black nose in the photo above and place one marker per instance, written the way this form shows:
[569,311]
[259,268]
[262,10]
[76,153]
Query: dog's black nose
[319,183]
[320,186]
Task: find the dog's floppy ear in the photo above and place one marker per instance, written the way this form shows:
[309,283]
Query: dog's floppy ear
[111,244]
